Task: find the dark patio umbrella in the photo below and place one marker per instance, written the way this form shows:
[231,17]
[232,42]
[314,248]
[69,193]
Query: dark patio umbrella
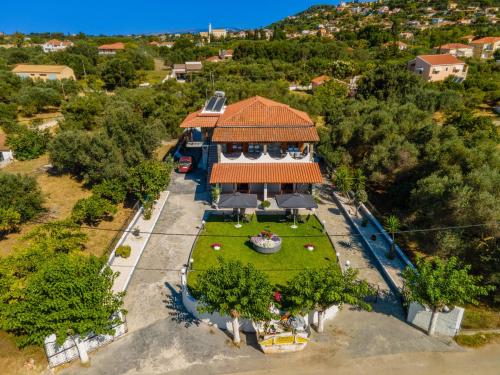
[295,201]
[238,200]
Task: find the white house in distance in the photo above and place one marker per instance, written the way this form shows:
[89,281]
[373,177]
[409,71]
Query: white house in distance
[435,68]
[6,154]
[54,45]
[456,49]
[485,48]
[111,49]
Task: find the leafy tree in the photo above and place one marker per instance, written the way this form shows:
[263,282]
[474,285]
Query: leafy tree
[92,210]
[232,289]
[118,72]
[34,99]
[319,289]
[20,194]
[28,143]
[439,283]
[54,237]
[112,190]
[148,179]
[68,295]
[392,226]
[83,112]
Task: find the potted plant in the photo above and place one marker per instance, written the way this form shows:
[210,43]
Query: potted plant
[136,232]
[216,246]
[309,246]
[265,204]
[215,195]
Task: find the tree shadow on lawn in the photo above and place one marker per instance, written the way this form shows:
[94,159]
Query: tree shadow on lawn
[178,312]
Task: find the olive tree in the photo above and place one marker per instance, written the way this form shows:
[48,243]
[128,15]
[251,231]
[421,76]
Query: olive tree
[438,284]
[236,290]
[319,289]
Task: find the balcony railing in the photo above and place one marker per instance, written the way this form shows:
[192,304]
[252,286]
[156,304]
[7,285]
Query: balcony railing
[288,157]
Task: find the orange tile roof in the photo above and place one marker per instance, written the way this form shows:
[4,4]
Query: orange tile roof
[3,141]
[256,111]
[320,79]
[277,134]
[259,111]
[440,59]
[114,46]
[454,45]
[271,173]
[487,39]
[198,120]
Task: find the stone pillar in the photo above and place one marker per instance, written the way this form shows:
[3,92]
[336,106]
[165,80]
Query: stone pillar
[265,191]
[311,151]
[264,148]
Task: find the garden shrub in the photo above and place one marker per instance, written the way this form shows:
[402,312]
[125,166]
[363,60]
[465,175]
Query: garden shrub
[123,251]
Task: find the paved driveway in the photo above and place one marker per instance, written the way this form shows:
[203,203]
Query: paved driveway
[163,338]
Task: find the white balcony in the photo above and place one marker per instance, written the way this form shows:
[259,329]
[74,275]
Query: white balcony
[288,157]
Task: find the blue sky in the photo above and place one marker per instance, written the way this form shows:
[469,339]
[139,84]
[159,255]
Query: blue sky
[146,16]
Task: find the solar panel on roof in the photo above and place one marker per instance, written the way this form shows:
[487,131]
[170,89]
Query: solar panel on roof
[220,103]
[211,104]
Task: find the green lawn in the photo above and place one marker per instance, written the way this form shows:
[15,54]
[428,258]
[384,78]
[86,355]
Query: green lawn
[280,267]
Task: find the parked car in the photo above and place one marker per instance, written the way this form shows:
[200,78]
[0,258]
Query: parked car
[185,164]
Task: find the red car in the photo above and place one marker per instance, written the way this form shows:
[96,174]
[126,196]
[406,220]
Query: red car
[185,164]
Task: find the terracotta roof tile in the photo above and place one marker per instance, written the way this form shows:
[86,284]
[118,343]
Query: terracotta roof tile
[197,120]
[440,59]
[277,134]
[454,45]
[487,39]
[259,111]
[113,46]
[28,68]
[274,173]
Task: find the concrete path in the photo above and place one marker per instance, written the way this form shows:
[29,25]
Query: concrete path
[126,266]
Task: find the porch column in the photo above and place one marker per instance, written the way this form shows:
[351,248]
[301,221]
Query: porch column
[265,191]
[311,151]
[264,148]
[294,187]
[219,151]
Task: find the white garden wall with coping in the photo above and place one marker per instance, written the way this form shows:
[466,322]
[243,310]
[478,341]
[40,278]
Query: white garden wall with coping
[448,323]
[225,322]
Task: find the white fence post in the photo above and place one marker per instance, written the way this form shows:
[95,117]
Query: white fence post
[81,346]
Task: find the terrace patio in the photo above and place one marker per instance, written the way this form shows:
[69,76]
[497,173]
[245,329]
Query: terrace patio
[281,266]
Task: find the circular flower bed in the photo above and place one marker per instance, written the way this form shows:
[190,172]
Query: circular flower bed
[266,243]
[216,246]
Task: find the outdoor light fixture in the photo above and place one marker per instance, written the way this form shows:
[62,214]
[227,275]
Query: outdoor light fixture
[348,264]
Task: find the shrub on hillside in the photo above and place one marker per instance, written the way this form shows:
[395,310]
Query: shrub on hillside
[20,194]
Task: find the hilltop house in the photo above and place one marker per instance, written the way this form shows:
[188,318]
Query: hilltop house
[181,72]
[455,49]
[56,45]
[44,72]
[438,67]
[485,48]
[255,146]
[6,154]
[111,49]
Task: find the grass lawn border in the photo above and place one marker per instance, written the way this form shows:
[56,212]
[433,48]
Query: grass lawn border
[324,254]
